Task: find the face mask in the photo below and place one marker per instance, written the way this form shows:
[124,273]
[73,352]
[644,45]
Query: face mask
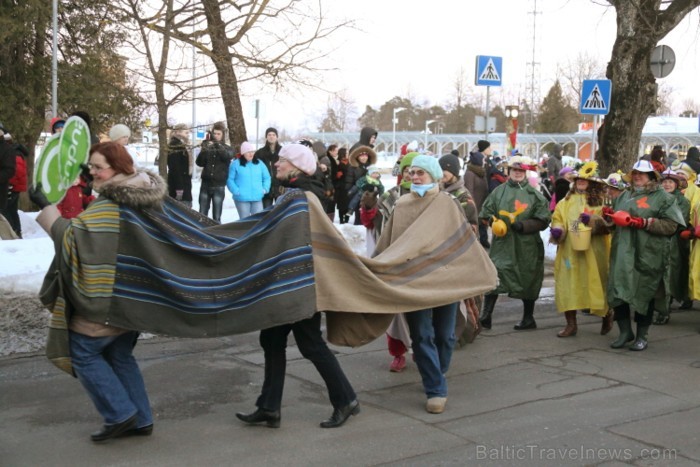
[420,190]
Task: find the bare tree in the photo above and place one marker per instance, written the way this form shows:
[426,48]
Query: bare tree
[340,112]
[259,41]
[691,108]
[664,100]
[572,73]
[641,24]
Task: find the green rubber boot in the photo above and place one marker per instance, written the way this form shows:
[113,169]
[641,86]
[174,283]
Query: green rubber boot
[626,334]
[641,342]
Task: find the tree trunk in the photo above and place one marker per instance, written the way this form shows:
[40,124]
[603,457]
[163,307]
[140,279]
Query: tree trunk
[640,26]
[228,83]
[633,96]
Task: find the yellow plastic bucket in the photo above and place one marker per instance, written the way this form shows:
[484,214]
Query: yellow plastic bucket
[580,238]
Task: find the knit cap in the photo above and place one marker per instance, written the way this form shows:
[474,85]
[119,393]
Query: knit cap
[450,163]
[430,165]
[300,157]
[119,131]
[247,147]
[482,145]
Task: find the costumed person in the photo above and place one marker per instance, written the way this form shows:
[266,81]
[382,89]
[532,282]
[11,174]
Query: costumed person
[248,181]
[432,330]
[517,213]
[180,165]
[581,276]
[693,234]
[214,159]
[615,185]
[100,355]
[296,168]
[360,159]
[476,182]
[375,212]
[645,218]
[676,276]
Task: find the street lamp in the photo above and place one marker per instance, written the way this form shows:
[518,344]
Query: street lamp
[512,112]
[394,121]
[428,122]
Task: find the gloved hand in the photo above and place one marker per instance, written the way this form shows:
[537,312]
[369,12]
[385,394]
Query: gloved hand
[338,175]
[585,218]
[518,226]
[369,199]
[38,197]
[638,222]
[608,212]
[556,233]
[688,234]
[178,194]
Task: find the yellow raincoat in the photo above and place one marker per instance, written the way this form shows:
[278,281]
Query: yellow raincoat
[694,282]
[580,276]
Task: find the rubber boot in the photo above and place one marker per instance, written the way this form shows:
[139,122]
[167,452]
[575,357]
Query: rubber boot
[607,325]
[571,327]
[528,321]
[487,310]
[641,342]
[626,334]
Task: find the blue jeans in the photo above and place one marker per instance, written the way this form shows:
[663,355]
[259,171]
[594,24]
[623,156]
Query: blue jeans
[109,373]
[432,339]
[246,208]
[213,195]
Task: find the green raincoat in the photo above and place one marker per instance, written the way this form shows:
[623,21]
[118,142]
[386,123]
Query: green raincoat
[639,257]
[519,257]
[694,275]
[580,276]
[676,277]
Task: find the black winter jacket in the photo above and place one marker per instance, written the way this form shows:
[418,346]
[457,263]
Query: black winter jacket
[215,158]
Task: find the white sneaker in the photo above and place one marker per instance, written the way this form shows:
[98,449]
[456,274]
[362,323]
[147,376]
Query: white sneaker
[436,404]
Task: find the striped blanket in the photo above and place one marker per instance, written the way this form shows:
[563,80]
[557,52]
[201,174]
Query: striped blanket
[171,271]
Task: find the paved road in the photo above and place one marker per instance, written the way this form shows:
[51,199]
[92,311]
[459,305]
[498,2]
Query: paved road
[516,398]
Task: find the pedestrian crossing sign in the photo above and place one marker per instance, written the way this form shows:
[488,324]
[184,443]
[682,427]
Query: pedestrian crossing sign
[595,96]
[488,70]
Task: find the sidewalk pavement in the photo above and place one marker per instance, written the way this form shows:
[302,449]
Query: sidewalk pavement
[515,398]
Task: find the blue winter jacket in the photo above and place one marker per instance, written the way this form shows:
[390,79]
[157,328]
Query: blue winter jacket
[248,182]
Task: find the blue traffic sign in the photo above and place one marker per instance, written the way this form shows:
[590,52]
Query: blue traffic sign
[595,96]
[489,70]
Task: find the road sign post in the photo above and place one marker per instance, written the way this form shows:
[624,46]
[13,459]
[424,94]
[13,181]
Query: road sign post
[595,100]
[489,70]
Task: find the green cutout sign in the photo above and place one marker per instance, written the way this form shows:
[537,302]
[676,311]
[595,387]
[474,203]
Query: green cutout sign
[59,162]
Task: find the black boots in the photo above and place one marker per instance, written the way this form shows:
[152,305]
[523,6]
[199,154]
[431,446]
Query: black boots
[341,415]
[487,310]
[528,321]
[272,419]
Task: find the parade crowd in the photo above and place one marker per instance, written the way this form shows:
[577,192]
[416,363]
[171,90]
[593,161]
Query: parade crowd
[626,246]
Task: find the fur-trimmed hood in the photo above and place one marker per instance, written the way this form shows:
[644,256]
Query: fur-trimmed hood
[144,189]
[371,160]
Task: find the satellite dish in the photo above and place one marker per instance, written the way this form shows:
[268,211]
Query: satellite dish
[663,59]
